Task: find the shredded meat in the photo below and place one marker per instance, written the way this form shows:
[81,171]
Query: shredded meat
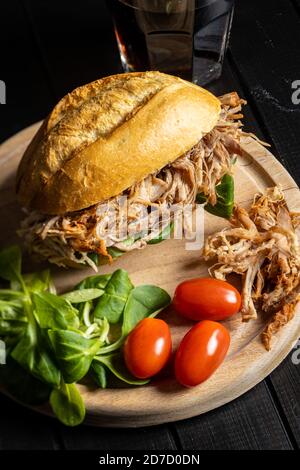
[262,245]
[70,238]
[280,318]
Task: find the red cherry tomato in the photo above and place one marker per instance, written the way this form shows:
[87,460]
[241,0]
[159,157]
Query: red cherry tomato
[148,348]
[201,352]
[206,299]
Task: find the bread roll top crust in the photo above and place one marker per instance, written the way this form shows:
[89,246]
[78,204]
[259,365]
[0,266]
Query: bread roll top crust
[107,135]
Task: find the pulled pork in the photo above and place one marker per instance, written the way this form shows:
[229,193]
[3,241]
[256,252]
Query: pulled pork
[262,245]
[69,239]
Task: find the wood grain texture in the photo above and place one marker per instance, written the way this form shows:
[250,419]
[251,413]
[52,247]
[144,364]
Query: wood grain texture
[153,439]
[285,382]
[249,423]
[267,62]
[247,364]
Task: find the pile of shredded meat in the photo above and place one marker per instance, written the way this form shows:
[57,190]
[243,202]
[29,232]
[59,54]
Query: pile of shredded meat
[69,239]
[262,245]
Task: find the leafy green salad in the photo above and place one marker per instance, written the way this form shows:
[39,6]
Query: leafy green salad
[54,341]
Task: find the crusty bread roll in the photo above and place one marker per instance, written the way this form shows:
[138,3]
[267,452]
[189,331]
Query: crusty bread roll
[107,135]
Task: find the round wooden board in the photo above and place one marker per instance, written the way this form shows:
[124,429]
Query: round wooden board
[167,264]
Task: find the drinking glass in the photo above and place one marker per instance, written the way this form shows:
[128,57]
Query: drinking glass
[187,38]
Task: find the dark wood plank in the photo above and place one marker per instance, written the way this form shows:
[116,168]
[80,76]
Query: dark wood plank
[85,438]
[230,82]
[285,385]
[265,50]
[251,422]
[28,94]
[23,429]
[81,47]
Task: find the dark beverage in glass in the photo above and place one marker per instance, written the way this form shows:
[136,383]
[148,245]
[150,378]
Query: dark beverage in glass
[187,38]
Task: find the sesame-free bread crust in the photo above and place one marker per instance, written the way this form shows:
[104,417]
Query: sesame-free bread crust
[107,135]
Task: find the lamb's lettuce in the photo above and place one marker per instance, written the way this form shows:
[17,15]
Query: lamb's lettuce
[53,341]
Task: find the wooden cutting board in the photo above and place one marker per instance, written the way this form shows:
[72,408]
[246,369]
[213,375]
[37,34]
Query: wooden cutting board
[167,264]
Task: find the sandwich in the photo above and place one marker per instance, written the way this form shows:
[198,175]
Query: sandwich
[148,138]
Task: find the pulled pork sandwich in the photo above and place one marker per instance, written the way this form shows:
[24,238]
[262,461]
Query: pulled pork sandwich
[262,245]
[150,137]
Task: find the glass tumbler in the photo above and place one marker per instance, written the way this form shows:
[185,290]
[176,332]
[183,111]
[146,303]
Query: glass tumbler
[187,38]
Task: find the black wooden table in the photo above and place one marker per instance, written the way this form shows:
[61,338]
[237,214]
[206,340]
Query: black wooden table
[50,47]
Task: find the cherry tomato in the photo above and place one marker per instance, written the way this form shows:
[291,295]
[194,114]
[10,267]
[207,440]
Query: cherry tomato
[206,299]
[148,348]
[201,352]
